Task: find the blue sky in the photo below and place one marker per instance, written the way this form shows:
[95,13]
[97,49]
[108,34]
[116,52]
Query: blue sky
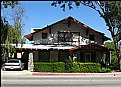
[41,13]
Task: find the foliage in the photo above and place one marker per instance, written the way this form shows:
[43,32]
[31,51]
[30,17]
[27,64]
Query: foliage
[76,67]
[11,26]
[5,4]
[58,67]
[13,37]
[43,67]
[69,67]
[4,31]
[105,70]
[113,54]
[109,10]
[89,67]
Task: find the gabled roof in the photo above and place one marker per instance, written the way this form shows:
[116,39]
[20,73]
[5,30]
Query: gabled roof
[67,19]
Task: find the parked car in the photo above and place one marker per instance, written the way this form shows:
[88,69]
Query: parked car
[14,64]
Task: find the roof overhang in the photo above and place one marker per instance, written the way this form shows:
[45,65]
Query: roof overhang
[29,36]
[92,46]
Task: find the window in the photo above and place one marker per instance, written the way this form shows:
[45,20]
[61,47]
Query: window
[67,36]
[44,56]
[76,35]
[44,35]
[63,56]
[93,57]
[87,57]
[13,61]
[91,37]
[61,37]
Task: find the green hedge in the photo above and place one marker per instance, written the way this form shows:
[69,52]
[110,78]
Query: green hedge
[58,67]
[43,67]
[69,67]
[105,70]
[86,67]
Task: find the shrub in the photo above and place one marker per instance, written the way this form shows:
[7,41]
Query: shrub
[43,67]
[69,67]
[76,68]
[89,67]
[58,66]
[105,70]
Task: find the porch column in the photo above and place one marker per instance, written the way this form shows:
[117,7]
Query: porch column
[71,55]
[15,55]
[30,62]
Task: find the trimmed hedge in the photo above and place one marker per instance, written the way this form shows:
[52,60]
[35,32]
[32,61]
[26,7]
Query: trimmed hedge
[43,67]
[89,67]
[69,67]
[58,67]
[86,67]
[105,70]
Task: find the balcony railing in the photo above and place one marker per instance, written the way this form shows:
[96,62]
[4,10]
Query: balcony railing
[76,43]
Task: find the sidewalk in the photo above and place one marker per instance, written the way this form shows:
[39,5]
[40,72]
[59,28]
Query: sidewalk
[28,73]
[16,73]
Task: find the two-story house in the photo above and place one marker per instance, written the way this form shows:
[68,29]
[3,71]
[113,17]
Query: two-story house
[67,39]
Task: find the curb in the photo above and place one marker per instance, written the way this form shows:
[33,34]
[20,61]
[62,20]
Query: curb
[75,74]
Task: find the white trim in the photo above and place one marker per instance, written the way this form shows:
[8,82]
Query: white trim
[31,46]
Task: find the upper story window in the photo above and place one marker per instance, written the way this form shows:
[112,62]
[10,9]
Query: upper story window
[92,37]
[67,36]
[44,35]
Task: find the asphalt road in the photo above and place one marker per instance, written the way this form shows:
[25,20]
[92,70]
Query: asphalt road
[32,81]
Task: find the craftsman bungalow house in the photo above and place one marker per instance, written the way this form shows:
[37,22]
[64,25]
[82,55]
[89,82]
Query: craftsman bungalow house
[67,39]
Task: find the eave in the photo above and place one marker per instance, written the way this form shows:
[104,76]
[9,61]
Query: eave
[28,36]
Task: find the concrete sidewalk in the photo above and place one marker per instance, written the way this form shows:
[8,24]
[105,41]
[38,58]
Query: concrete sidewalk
[16,73]
[28,73]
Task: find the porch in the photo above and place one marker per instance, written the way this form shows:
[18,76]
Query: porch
[84,53]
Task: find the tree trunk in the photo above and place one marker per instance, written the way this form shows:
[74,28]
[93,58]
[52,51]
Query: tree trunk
[117,53]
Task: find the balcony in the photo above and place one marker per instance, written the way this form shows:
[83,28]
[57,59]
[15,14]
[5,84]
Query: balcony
[55,42]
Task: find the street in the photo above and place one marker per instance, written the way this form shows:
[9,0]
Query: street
[63,81]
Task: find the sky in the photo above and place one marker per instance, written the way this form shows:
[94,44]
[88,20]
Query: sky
[41,13]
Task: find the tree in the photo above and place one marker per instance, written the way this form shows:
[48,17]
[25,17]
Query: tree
[12,37]
[9,3]
[4,22]
[110,11]
[11,26]
[113,54]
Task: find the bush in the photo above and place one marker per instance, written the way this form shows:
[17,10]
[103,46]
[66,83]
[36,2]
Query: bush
[58,67]
[105,70]
[43,67]
[76,67]
[89,67]
[69,67]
